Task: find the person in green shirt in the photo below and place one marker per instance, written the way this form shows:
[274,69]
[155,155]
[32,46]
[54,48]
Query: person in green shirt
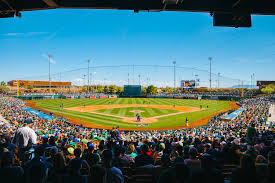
[87,155]
[251,133]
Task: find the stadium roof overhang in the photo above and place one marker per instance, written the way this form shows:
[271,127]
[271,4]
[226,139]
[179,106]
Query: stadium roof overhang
[233,13]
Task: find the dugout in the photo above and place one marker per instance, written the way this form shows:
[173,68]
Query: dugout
[132,91]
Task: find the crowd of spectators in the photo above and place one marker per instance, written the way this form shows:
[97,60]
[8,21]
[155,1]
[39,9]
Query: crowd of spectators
[231,93]
[36,150]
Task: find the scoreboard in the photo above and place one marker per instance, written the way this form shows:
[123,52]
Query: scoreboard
[188,84]
[132,91]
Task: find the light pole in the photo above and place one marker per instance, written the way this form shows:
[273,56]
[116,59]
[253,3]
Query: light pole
[139,79]
[251,76]
[253,79]
[84,75]
[210,59]
[88,75]
[219,80]
[133,74]
[174,62]
[50,56]
[196,80]
[128,78]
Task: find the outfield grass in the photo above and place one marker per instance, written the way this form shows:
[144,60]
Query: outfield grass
[169,121]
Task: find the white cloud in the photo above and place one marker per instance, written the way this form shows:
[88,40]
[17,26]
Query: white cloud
[36,33]
[78,81]
[26,34]
[13,34]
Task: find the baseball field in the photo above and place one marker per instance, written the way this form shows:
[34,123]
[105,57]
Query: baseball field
[123,112]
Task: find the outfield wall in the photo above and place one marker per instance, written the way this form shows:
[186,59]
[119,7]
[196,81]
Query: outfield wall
[43,97]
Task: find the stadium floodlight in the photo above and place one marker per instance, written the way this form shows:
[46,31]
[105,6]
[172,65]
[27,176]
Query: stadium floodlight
[89,75]
[219,74]
[50,56]
[210,59]
[174,62]
[84,76]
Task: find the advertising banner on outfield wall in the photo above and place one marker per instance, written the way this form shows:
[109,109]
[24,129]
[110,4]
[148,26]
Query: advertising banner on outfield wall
[103,96]
[92,96]
[112,96]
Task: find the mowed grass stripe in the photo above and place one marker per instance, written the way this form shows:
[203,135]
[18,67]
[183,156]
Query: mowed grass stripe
[151,111]
[160,111]
[92,118]
[68,112]
[117,101]
[122,111]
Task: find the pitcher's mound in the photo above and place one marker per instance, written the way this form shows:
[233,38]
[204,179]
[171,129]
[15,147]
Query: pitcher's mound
[137,111]
[143,120]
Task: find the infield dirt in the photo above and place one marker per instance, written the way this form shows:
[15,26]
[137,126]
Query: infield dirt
[93,108]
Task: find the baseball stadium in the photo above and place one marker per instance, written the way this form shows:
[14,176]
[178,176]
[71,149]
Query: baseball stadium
[140,91]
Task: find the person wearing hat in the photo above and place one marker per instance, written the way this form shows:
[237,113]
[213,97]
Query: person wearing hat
[90,152]
[24,138]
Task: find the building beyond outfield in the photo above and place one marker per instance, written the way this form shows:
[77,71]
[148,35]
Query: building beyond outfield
[40,84]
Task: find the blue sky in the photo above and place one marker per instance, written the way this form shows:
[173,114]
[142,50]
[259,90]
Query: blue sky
[113,38]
